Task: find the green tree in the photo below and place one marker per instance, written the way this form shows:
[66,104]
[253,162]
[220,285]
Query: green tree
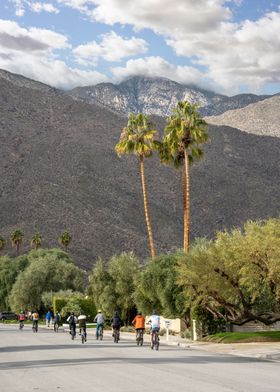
[137,138]
[184,134]
[2,243]
[101,288]
[112,286]
[16,238]
[36,241]
[48,273]
[65,240]
[9,271]
[123,270]
[157,288]
[236,277]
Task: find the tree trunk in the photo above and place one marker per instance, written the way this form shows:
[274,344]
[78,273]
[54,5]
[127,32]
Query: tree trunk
[187,205]
[146,206]
[183,187]
[17,248]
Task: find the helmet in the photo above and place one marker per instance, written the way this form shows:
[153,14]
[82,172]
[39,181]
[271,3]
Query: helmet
[99,311]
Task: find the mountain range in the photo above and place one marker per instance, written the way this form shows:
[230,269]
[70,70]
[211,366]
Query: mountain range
[59,171]
[159,96]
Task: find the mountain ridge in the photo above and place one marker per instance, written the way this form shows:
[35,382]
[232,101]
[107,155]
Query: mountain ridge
[59,171]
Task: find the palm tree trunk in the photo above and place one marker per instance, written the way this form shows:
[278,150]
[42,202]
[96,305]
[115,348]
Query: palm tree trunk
[17,245]
[187,205]
[183,187]
[146,206]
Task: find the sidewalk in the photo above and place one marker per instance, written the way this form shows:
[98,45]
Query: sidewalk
[268,350]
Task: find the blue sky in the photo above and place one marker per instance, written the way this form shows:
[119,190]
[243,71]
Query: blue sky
[229,46]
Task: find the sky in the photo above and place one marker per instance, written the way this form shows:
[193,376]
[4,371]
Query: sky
[228,46]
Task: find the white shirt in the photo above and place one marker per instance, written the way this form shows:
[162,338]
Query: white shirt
[154,321]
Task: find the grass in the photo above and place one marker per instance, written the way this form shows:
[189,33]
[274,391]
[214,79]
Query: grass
[244,337]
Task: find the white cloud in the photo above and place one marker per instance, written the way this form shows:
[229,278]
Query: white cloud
[233,54]
[162,16]
[40,7]
[33,53]
[35,6]
[111,48]
[157,66]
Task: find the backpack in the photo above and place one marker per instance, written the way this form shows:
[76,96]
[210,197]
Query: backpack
[35,316]
[72,319]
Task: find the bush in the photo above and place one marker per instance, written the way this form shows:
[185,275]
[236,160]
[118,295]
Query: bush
[186,334]
[129,328]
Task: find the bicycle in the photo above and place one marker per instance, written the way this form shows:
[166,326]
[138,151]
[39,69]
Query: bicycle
[140,337]
[72,332]
[35,326]
[116,335]
[21,324]
[83,335]
[155,340]
[99,334]
[55,327]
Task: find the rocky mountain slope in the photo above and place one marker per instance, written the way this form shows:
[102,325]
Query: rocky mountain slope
[158,96]
[261,118]
[59,171]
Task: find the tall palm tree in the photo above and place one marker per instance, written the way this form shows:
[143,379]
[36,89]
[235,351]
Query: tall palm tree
[137,138]
[2,243]
[65,239]
[16,238]
[184,134]
[36,241]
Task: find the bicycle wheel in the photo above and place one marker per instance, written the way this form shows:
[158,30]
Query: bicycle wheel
[157,342]
[83,337]
[101,334]
[116,336]
[141,339]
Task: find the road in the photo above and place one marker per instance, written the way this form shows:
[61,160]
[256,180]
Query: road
[52,362]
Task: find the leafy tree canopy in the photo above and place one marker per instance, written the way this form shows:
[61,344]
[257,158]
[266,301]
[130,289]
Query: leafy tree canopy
[237,276]
[112,286]
[157,288]
[50,272]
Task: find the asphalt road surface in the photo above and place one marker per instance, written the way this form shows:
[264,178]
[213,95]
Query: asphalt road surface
[47,361]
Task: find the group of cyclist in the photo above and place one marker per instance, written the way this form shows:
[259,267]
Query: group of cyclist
[138,322]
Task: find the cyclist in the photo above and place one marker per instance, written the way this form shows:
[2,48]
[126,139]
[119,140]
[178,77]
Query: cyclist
[72,320]
[154,322]
[116,322]
[35,319]
[82,324]
[139,324]
[99,319]
[56,319]
[48,318]
[21,319]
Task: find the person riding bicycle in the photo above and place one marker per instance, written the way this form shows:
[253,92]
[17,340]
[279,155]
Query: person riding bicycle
[72,320]
[56,320]
[154,322]
[139,323]
[35,319]
[82,324]
[48,318]
[21,318]
[116,322]
[99,319]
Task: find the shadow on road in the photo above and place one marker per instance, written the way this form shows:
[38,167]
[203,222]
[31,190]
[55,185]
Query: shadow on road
[149,360]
